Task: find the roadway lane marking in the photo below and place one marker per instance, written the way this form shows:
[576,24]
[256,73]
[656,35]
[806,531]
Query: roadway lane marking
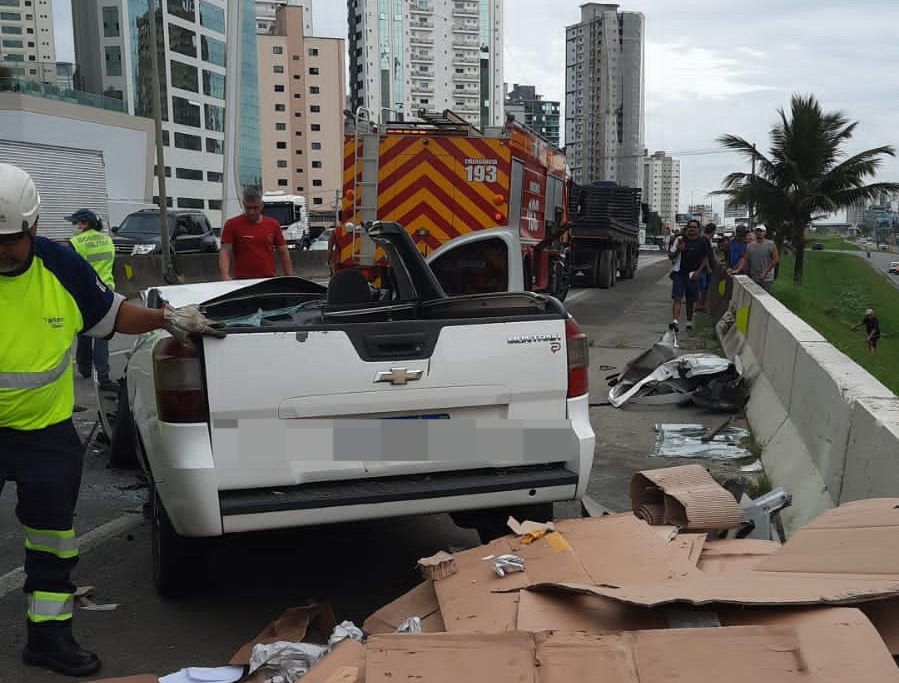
[577,296]
[15,579]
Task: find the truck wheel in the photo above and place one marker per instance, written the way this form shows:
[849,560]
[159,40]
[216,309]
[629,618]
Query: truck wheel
[561,280]
[603,270]
[177,561]
[122,444]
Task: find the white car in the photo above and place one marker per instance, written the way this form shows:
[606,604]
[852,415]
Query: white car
[333,405]
[321,243]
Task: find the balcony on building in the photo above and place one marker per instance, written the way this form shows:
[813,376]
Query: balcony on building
[465,9]
[421,40]
[418,7]
[422,23]
[416,56]
[467,60]
[422,88]
[460,27]
[467,78]
[23,86]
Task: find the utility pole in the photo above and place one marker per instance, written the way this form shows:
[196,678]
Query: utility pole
[168,274]
[231,188]
[751,199]
[337,194]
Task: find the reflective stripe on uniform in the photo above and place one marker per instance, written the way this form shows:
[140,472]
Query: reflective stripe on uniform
[93,258]
[63,544]
[44,606]
[34,380]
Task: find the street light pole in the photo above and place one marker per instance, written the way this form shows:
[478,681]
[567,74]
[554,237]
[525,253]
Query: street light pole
[167,273]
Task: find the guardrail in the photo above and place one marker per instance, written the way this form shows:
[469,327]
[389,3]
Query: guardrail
[829,430]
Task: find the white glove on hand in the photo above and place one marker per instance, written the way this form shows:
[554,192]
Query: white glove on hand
[187,320]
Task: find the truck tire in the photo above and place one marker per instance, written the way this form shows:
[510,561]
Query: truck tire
[178,562]
[560,279]
[122,443]
[602,271]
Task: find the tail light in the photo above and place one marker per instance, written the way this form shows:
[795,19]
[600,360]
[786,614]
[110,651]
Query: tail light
[180,391]
[578,359]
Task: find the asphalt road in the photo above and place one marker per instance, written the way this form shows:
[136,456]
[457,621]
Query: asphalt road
[253,578]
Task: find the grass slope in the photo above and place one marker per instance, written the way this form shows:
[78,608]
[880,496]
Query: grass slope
[836,290]
[832,242]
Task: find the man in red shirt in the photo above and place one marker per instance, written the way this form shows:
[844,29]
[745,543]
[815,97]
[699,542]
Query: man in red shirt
[251,239]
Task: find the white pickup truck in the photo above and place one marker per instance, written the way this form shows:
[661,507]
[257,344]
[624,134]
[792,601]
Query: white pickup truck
[290,420]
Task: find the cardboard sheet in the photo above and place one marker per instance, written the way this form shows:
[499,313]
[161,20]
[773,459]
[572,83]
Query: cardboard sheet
[807,648]
[312,623]
[556,611]
[884,614]
[691,499]
[734,554]
[344,664]
[420,602]
[603,550]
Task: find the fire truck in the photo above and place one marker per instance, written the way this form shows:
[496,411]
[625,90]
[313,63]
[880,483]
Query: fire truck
[441,178]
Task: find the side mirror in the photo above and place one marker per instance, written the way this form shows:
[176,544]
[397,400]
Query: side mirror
[114,229]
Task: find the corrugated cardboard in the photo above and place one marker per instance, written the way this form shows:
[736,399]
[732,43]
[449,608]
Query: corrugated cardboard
[732,555]
[884,614]
[312,623]
[544,611]
[142,678]
[691,498]
[420,602]
[846,556]
[610,549]
[808,649]
[437,566]
[344,664]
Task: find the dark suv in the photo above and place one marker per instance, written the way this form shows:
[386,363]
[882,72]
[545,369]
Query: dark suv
[189,233]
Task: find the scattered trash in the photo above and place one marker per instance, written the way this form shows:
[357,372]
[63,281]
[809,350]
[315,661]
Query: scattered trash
[82,599]
[506,564]
[686,441]
[410,625]
[529,531]
[752,467]
[344,630]
[283,662]
[437,566]
[199,674]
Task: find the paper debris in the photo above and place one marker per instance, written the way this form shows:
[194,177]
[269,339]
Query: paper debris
[438,566]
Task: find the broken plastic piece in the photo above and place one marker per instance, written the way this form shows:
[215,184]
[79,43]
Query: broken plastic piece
[410,625]
[344,630]
[685,441]
[289,661]
[506,564]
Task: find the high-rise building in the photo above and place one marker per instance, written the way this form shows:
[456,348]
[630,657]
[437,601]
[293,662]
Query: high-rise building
[604,95]
[301,83]
[266,11]
[533,111]
[27,46]
[112,49]
[409,55]
[661,186]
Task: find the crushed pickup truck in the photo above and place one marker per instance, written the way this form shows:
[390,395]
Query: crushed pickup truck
[353,402]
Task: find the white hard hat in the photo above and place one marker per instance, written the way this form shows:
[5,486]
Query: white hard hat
[19,200]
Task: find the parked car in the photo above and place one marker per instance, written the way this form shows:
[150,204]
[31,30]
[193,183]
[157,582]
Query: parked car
[189,233]
[283,422]
[818,246]
[894,268]
[322,242]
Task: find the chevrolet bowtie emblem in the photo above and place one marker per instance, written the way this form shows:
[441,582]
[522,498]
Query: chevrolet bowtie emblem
[398,376]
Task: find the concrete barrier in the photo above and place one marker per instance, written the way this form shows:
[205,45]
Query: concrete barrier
[136,273]
[829,430]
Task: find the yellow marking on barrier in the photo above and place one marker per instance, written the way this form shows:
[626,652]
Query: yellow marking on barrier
[743,319]
[722,288]
[129,271]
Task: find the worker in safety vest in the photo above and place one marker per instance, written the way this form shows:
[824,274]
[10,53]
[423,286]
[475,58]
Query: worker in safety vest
[97,249]
[48,295]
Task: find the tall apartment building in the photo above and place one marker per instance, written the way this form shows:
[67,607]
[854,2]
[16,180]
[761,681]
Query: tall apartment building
[27,46]
[661,186]
[533,111]
[409,55]
[266,10]
[112,49]
[604,117]
[302,96]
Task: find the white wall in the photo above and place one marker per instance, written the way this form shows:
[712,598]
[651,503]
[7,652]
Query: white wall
[124,150]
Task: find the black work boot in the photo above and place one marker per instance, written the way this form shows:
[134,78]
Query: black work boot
[51,644]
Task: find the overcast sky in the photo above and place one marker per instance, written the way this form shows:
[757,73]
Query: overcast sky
[712,66]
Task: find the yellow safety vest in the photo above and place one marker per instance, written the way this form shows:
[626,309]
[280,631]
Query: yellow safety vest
[43,310]
[98,250]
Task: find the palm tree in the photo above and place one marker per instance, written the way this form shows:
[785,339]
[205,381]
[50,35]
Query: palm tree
[806,172]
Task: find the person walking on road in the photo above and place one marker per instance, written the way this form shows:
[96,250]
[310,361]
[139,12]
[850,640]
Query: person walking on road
[705,278]
[48,296]
[760,259]
[737,247]
[98,250]
[872,329]
[691,258]
[250,239]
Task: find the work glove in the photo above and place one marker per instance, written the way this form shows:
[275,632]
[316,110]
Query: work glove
[187,320]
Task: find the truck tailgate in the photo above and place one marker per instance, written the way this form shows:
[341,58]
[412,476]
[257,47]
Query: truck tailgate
[290,408]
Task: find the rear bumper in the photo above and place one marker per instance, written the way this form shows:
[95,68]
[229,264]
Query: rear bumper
[185,475]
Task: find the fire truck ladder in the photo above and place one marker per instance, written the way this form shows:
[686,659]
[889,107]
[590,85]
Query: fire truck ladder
[365,190]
